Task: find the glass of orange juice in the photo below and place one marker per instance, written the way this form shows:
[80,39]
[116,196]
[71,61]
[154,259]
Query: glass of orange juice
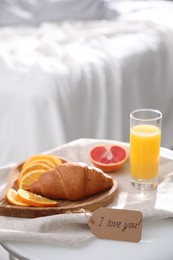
[145,139]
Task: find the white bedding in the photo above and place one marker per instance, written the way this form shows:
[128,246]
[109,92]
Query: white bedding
[81,79]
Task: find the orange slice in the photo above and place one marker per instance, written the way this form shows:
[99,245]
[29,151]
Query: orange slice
[13,197]
[108,157]
[51,159]
[39,162]
[41,165]
[29,178]
[36,200]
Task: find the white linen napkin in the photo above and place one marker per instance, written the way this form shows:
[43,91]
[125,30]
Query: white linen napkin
[72,228]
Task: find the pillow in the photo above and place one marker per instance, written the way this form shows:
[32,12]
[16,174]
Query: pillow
[38,11]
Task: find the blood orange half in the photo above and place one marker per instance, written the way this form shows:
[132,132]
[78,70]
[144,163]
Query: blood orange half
[108,157]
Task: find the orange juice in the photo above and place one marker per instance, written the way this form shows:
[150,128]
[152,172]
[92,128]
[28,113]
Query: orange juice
[144,151]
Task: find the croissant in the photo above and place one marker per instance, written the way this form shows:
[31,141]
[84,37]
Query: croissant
[72,181]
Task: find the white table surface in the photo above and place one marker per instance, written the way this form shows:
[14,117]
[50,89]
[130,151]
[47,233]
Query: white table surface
[156,244]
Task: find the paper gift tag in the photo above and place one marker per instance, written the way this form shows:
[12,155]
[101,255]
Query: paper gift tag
[116,224]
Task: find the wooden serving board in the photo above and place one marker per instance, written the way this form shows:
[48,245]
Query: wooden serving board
[65,206]
[89,204]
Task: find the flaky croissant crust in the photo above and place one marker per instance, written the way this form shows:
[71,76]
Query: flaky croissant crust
[72,181]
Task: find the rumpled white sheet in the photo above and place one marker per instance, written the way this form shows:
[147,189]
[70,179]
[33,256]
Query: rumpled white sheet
[61,82]
[35,12]
[72,229]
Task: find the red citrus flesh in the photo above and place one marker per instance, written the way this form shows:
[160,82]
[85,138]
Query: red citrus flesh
[108,157]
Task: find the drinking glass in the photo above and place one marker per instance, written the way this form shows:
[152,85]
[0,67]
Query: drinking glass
[145,139]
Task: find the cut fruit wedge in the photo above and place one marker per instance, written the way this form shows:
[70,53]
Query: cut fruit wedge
[35,200]
[51,159]
[109,157]
[14,199]
[29,178]
[33,167]
[36,165]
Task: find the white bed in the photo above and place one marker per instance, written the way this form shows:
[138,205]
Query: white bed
[80,71]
